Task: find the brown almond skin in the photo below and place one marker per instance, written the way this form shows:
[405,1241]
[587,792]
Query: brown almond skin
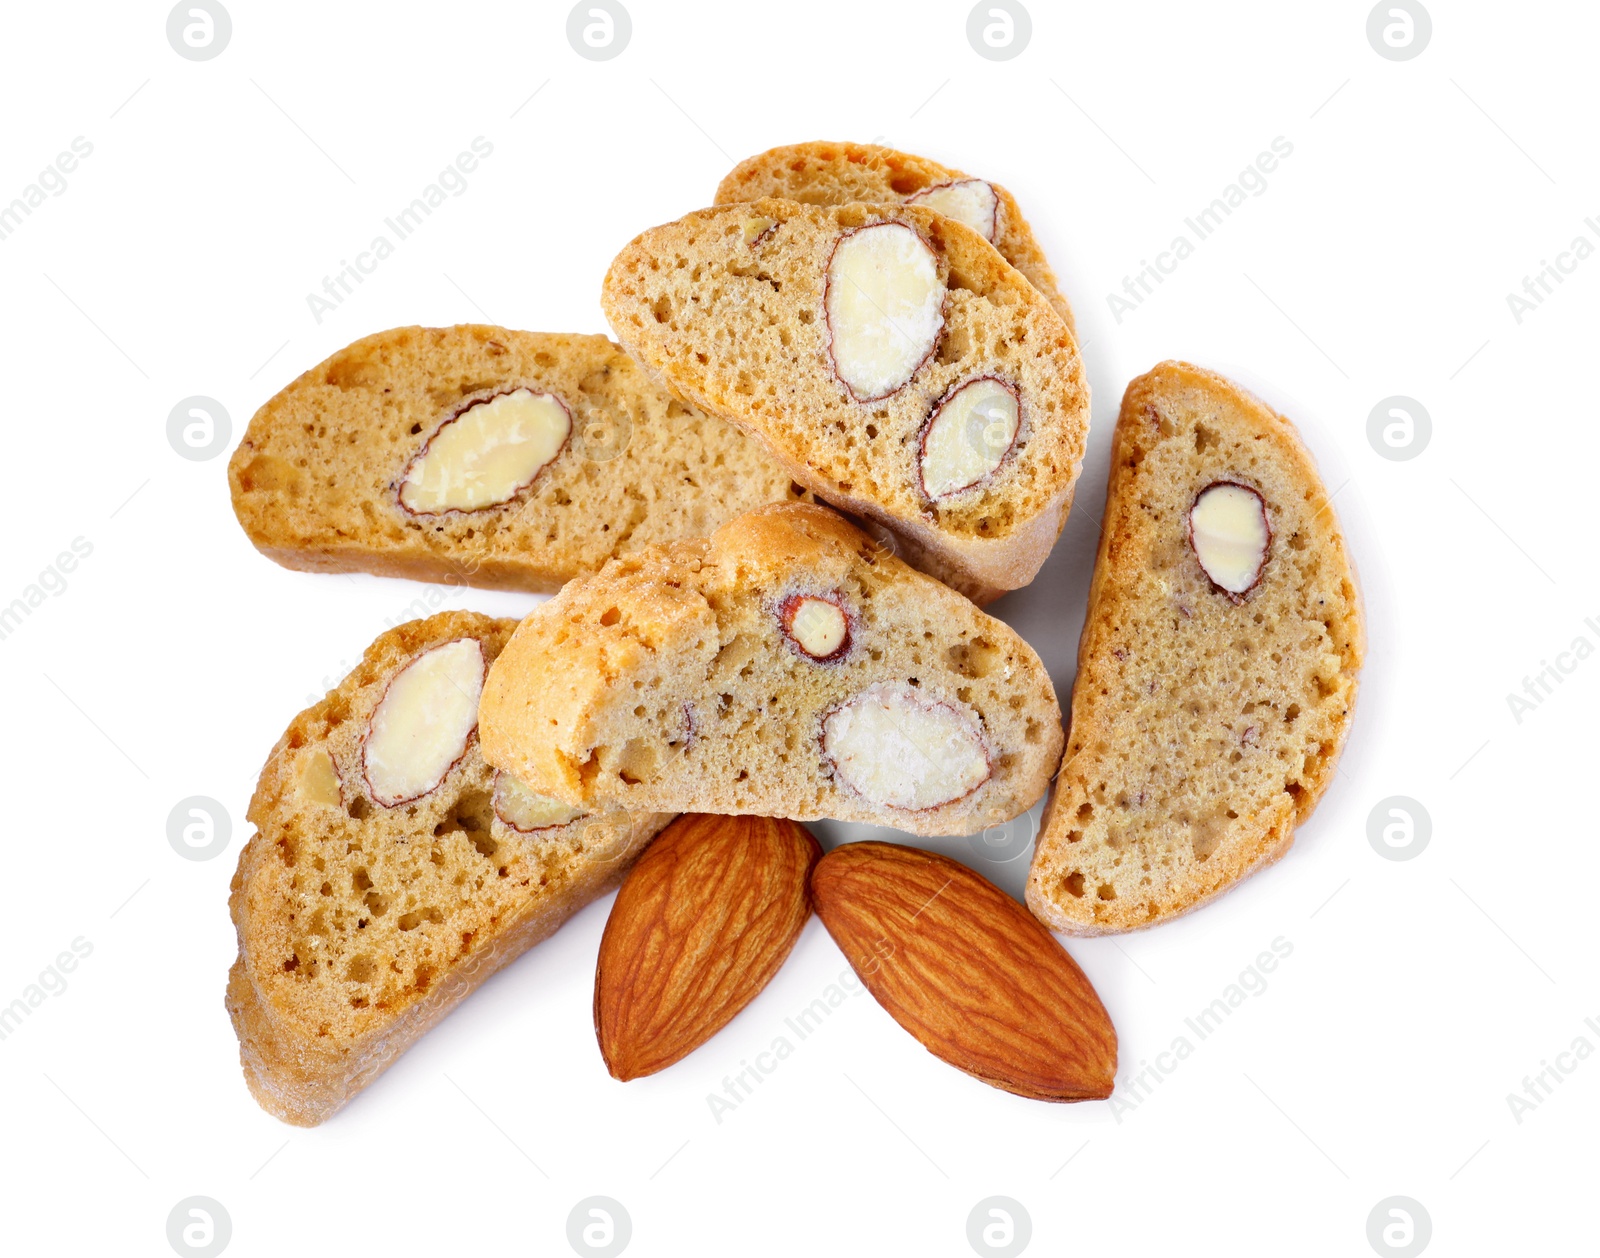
[967,970]
[703,921]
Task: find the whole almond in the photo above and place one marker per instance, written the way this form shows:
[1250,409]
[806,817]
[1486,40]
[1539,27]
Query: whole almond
[700,926]
[967,970]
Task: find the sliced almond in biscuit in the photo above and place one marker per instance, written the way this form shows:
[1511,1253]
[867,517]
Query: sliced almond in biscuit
[337,472]
[896,748]
[783,667]
[969,201]
[522,809]
[756,227]
[1229,532]
[885,305]
[360,927]
[817,625]
[834,345]
[1217,669]
[487,453]
[421,726]
[826,172]
[969,435]
[319,779]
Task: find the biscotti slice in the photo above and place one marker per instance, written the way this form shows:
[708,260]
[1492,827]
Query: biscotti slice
[482,456]
[827,173]
[1217,668]
[787,666]
[392,871]
[899,367]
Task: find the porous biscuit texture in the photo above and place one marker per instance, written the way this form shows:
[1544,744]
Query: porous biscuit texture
[316,479]
[732,316]
[1205,726]
[824,172]
[360,926]
[670,676]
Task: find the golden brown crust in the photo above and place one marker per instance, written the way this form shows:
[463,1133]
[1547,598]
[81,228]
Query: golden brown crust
[668,676]
[1203,730]
[739,330]
[359,926]
[824,172]
[316,477]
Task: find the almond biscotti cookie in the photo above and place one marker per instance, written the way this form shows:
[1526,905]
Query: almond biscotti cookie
[483,456]
[827,173]
[786,667]
[392,871]
[896,364]
[1217,668]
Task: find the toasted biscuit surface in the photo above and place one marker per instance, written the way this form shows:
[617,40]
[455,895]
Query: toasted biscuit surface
[360,926]
[678,675]
[833,173]
[738,323]
[1205,726]
[316,480]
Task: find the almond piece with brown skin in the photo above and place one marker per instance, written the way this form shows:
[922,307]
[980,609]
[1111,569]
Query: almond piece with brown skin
[700,926]
[970,201]
[422,726]
[967,970]
[1231,536]
[817,625]
[972,431]
[884,305]
[892,745]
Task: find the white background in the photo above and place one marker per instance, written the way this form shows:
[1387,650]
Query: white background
[1418,995]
